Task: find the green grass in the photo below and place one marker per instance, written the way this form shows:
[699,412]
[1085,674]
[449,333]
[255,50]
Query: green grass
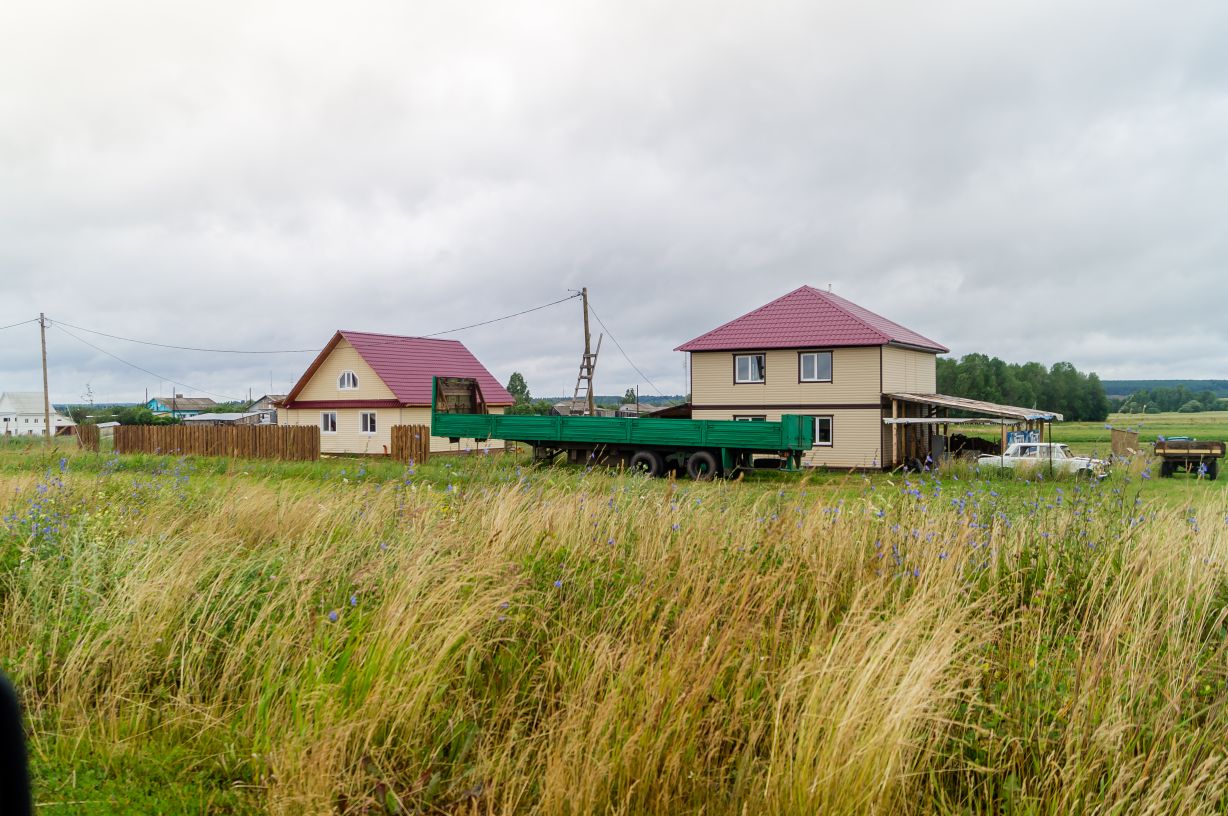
[560,640]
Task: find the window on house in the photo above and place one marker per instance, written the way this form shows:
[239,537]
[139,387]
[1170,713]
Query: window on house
[368,422]
[749,418]
[822,431]
[749,368]
[347,381]
[814,366]
[328,422]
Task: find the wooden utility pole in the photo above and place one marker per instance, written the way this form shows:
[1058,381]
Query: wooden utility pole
[42,336]
[588,349]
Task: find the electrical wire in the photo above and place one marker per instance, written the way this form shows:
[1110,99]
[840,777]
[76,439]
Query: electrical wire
[22,323]
[620,348]
[303,351]
[505,317]
[184,348]
[145,370]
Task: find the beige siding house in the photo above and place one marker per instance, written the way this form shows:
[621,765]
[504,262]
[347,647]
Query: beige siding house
[816,354]
[362,384]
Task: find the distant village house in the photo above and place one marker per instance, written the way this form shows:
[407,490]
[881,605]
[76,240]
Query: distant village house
[179,406]
[22,414]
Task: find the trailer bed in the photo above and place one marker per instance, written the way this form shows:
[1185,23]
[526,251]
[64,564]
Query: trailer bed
[674,440]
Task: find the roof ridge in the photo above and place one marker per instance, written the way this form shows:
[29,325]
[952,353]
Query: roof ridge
[860,308]
[747,314]
[398,336]
[832,297]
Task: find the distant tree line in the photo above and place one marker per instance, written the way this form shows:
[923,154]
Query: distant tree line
[1062,388]
[1127,388]
[1179,398]
[126,415]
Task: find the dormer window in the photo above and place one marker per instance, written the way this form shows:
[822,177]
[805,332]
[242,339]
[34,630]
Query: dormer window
[348,381]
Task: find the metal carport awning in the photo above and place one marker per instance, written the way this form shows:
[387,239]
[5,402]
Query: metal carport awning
[991,409]
[915,420]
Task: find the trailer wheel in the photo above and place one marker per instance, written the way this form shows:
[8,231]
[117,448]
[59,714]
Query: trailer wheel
[701,466]
[1166,469]
[1212,469]
[647,462]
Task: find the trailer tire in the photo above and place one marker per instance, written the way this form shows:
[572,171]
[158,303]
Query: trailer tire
[648,462]
[701,466]
[1166,469]
[1212,469]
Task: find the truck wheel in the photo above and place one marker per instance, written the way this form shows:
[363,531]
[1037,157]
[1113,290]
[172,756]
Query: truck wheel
[701,466]
[647,462]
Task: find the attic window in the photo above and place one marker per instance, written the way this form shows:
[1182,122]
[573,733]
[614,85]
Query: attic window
[348,381]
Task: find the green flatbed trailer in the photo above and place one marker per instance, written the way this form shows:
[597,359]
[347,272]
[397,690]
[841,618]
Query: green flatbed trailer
[702,448]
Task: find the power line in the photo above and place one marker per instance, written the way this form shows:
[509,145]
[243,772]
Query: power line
[301,351]
[22,323]
[505,317]
[184,348]
[620,348]
[139,368]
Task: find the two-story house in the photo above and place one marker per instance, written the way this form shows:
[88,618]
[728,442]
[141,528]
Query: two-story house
[362,384]
[813,353]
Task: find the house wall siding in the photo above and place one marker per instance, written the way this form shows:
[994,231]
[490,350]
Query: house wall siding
[854,380]
[909,371]
[349,437]
[856,441]
[851,399]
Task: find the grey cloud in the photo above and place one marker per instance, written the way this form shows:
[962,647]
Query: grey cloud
[1032,180]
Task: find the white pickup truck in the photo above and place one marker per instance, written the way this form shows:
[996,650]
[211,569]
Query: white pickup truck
[1040,454]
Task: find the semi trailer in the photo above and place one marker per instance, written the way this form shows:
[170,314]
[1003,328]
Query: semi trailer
[700,448]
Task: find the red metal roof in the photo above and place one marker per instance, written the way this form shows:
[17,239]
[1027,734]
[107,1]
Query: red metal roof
[808,318]
[407,364]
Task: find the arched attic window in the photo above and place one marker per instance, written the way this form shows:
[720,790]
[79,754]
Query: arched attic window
[348,381]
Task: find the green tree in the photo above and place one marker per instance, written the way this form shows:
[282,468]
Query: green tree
[630,397]
[518,388]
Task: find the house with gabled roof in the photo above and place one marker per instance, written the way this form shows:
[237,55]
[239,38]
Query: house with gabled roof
[179,406]
[361,384]
[814,353]
[22,414]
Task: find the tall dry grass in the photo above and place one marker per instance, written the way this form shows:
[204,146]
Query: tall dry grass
[613,645]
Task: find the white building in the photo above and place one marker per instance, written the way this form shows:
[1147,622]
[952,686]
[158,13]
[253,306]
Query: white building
[21,414]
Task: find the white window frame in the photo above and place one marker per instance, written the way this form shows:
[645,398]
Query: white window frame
[328,422]
[831,430]
[801,366]
[367,426]
[347,381]
[737,358]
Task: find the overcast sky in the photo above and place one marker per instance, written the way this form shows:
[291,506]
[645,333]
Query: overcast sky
[1033,180]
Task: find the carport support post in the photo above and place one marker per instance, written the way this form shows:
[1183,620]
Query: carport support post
[895,448]
[1003,427]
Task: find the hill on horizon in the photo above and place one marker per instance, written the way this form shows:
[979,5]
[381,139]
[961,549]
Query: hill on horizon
[1124,388]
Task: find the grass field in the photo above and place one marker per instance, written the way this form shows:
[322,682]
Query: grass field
[1094,437]
[479,636]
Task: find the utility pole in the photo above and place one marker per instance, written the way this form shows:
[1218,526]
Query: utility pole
[42,336]
[587,349]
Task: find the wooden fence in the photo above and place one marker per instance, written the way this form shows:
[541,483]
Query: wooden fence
[297,442]
[411,443]
[87,437]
